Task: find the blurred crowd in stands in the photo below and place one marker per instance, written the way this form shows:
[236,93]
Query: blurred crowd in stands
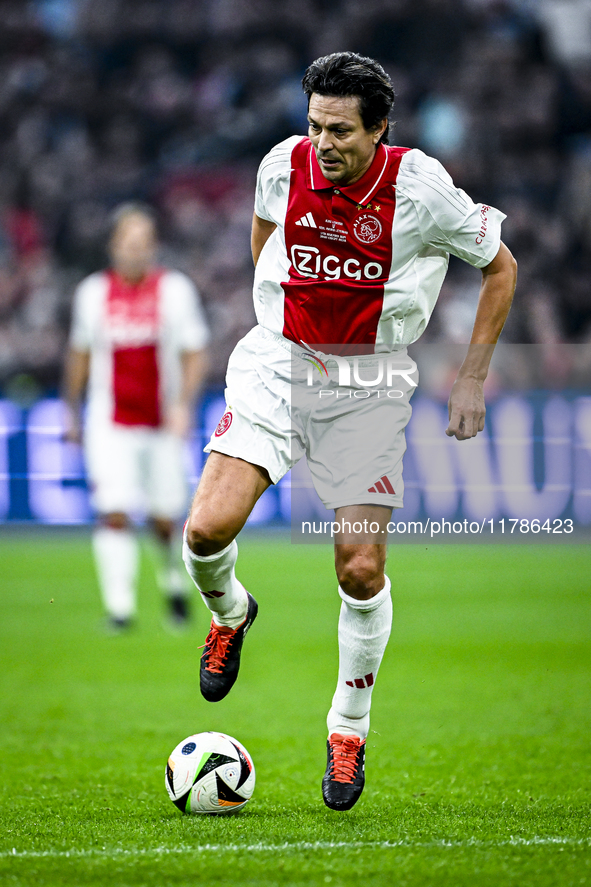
[176,101]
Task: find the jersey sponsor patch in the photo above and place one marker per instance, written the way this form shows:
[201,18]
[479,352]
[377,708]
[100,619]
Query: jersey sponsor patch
[133,310]
[223,424]
[483,223]
[309,261]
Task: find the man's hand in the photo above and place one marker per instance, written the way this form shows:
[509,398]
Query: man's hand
[180,415]
[466,408]
[466,401]
[75,379]
[73,427]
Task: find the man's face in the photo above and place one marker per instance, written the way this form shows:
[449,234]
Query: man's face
[133,246]
[344,147]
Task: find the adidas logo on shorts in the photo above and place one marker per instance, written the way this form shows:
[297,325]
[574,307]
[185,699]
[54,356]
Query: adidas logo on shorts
[382,485]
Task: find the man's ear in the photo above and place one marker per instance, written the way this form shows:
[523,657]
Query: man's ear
[380,129]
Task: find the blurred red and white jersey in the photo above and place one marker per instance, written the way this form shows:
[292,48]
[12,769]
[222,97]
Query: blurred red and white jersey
[136,334]
[361,265]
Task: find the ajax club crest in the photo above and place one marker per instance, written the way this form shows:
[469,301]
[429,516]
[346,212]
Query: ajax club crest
[224,424]
[367,228]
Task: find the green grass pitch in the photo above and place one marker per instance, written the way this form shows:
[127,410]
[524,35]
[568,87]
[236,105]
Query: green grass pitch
[478,762]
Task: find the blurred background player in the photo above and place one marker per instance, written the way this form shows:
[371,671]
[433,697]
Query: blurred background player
[137,339]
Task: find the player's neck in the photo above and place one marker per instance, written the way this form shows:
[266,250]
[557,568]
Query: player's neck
[131,278]
[361,172]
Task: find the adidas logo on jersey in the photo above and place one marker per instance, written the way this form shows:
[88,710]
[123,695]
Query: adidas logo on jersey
[307,221]
[382,485]
[361,683]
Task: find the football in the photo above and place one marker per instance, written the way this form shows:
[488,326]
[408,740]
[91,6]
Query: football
[210,773]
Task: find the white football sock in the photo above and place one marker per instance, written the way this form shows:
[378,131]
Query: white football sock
[364,629]
[116,554]
[215,578]
[171,577]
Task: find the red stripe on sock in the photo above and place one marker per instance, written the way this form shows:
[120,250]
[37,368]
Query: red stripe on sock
[360,683]
[369,679]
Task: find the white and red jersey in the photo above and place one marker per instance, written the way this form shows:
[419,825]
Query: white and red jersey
[136,334]
[361,265]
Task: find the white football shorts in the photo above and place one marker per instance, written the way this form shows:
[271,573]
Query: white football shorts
[136,470]
[347,416]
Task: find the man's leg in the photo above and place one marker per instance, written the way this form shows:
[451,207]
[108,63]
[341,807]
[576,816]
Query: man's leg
[116,554]
[228,491]
[170,575]
[113,460]
[165,491]
[364,627]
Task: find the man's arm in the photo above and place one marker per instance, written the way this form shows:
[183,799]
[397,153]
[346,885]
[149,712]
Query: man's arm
[194,367]
[466,403]
[260,233]
[75,379]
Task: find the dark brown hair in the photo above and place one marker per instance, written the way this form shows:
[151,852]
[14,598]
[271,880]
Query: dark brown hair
[345,74]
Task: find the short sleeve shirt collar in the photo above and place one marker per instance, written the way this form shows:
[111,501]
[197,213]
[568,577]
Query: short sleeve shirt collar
[361,191]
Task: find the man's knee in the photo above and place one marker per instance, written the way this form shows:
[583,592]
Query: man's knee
[360,570]
[115,520]
[205,536]
[163,529]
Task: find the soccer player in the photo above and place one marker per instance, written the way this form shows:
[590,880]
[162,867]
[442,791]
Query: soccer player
[351,241]
[138,337]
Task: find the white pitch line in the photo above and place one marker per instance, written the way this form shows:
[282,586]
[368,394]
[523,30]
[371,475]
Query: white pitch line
[295,846]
